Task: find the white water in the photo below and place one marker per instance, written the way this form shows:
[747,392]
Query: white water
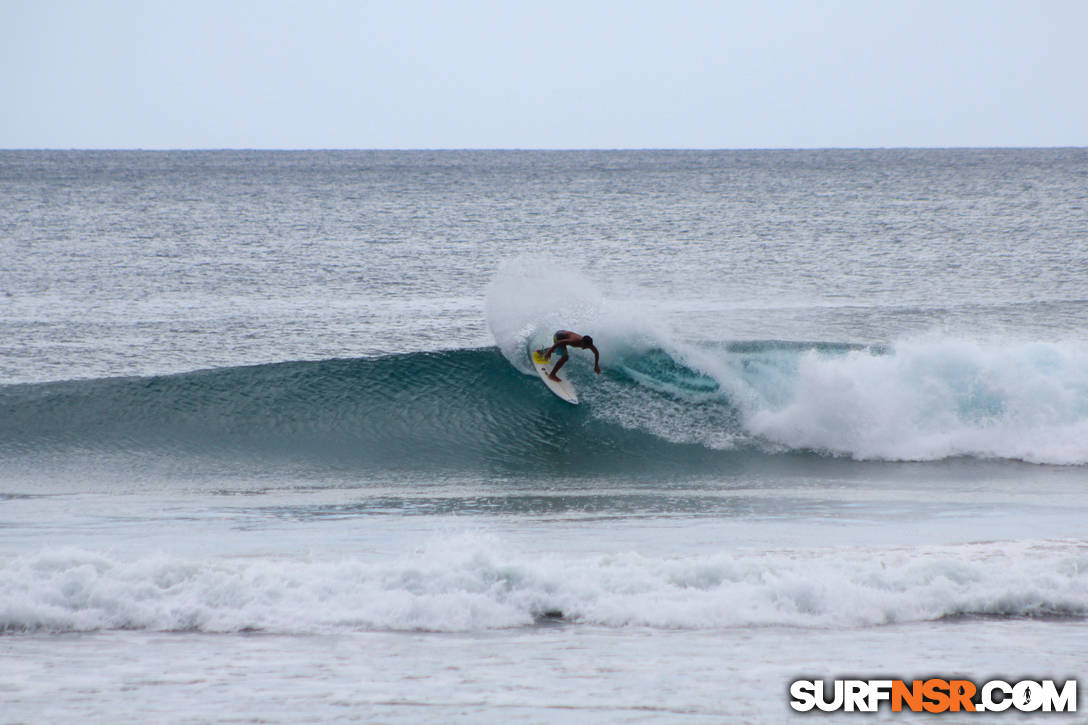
[925,397]
[937,398]
[531,296]
[469,583]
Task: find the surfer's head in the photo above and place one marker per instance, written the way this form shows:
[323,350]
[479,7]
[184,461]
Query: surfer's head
[586,341]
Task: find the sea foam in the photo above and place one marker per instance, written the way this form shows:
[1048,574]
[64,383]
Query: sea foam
[469,584]
[934,398]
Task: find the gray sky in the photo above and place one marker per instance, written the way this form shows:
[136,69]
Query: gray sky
[542,74]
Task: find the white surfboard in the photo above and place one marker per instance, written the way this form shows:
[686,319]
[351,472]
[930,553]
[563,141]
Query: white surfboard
[563,388]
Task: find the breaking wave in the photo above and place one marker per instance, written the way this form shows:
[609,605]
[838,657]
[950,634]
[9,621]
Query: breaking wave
[691,407]
[468,584]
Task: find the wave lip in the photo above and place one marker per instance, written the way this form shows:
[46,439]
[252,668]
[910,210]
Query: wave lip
[464,585]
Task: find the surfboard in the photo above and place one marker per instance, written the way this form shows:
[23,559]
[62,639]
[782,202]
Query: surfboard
[563,388]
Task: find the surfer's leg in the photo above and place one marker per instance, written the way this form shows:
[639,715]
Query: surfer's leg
[562,361]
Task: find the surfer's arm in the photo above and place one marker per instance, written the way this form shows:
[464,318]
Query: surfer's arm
[550,350]
[596,359]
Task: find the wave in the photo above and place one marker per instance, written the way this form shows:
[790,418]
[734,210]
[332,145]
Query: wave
[421,410]
[450,410]
[467,584]
[932,398]
[653,409]
[921,399]
[662,405]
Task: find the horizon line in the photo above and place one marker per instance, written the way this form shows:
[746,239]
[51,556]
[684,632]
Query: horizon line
[300,149]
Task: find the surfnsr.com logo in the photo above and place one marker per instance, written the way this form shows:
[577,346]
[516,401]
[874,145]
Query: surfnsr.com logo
[933,695]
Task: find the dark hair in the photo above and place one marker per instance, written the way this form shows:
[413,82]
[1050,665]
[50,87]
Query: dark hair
[587,340]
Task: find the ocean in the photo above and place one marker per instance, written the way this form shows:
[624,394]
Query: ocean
[272,449]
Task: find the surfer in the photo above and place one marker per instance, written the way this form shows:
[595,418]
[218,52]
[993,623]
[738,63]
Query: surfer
[564,338]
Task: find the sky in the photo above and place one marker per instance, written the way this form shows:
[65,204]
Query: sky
[270,74]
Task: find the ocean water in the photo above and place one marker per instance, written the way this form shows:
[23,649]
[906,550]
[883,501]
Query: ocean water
[271,449]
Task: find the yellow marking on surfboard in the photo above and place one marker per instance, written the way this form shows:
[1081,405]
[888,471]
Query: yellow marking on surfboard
[539,358]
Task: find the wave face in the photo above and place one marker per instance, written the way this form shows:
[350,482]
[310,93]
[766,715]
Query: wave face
[652,409]
[466,584]
[454,410]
